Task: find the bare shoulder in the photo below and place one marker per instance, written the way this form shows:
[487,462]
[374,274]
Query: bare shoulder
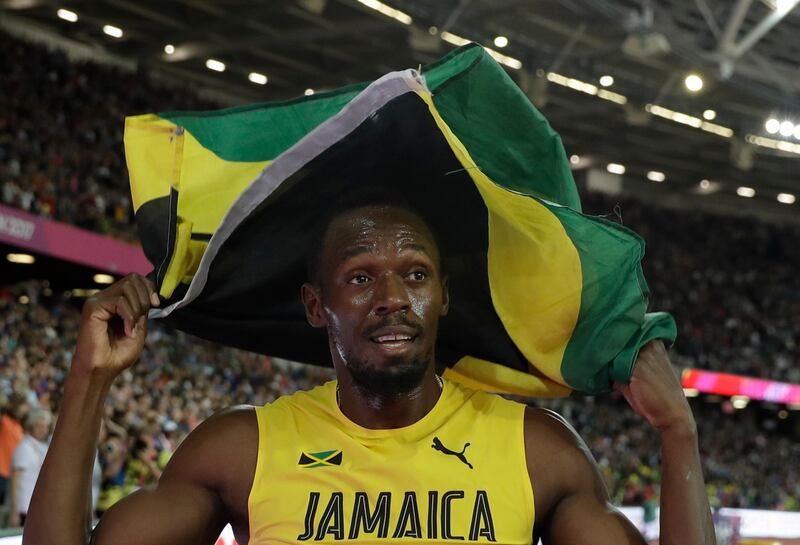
[230,434]
[548,437]
[559,462]
[220,454]
[205,485]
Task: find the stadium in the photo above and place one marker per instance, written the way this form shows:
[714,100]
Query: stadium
[679,120]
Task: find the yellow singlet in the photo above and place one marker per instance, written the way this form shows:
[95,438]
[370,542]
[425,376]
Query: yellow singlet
[456,475]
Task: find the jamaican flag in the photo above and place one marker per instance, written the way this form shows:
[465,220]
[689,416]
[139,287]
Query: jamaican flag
[544,300]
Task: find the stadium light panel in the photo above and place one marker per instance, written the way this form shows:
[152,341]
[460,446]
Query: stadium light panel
[308,92]
[693,83]
[169,49]
[607,81]
[454,39]
[739,401]
[21,259]
[615,168]
[505,60]
[765,142]
[786,198]
[113,31]
[389,11]
[746,192]
[686,119]
[500,41]
[787,128]
[709,115]
[587,88]
[255,77]
[81,292]
[67,15]
[215,65]
[772,125]
[656,176]
[706,187]
[784,6]
[102,278]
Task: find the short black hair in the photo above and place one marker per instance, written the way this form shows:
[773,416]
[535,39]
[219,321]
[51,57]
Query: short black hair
[361,198]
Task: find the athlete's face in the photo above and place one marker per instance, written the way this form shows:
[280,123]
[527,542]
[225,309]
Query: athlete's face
[380,294]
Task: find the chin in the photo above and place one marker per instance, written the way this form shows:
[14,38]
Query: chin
[392,375]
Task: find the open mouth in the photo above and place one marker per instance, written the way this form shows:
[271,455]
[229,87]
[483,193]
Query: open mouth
[393,340]
[394,337]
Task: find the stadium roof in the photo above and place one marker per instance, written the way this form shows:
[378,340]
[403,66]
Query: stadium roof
[747,53]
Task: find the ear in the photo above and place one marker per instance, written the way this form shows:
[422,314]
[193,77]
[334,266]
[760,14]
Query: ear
[445,297]
[312,301]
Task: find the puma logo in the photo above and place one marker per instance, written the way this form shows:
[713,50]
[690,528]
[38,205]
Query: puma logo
[437,445]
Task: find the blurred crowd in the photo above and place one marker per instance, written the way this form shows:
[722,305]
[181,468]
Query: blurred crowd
[181,380]
[61,127]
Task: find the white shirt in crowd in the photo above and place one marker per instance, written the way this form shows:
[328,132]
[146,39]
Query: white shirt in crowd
[28,458]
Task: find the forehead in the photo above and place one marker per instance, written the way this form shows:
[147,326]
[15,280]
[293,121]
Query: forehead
[373,226]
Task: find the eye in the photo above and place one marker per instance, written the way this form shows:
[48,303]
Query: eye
[358,279]
[417,276]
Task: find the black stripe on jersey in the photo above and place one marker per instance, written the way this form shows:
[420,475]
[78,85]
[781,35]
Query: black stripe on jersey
[482,524]
[362,516]
[447,497]
[409,513]
[332,521]
[433,501]
[313,501]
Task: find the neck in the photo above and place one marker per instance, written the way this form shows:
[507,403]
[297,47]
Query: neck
[387,411]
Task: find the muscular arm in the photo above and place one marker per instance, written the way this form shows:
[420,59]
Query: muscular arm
[198,491]
[656,394]
[193,500]
[574,501]
[204,486]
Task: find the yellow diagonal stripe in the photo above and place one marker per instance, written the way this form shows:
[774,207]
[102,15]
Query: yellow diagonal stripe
[535,275]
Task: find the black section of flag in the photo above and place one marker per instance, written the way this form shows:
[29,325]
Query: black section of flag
[251,297]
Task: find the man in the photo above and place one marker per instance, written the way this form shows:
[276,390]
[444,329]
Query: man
[11,434]
[27,462]
[387,452]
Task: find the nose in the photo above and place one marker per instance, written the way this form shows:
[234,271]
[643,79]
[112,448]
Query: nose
[390,295]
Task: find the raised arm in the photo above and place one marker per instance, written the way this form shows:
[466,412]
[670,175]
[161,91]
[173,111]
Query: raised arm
[183,509]
[576,504]
[656,394]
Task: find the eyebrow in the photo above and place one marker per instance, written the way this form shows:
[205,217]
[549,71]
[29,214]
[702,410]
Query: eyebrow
[353,251]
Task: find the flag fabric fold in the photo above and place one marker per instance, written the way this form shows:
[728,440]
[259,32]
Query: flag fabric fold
[544,299]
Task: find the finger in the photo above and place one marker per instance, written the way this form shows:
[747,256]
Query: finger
[123,309]
[154,300]
[142,290]
[131,295]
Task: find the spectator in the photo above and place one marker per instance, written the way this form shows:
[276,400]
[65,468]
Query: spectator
[26,463]
[10,435]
